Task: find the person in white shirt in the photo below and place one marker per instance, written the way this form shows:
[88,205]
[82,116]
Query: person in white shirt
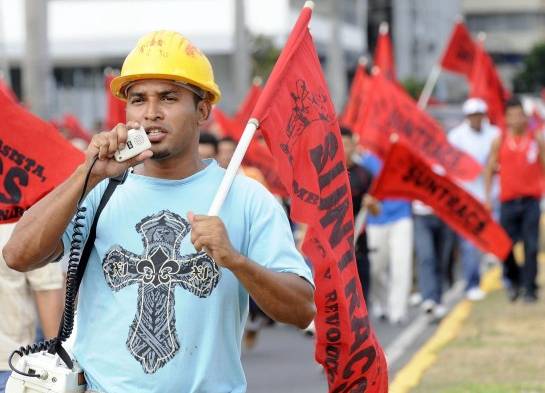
[474,137]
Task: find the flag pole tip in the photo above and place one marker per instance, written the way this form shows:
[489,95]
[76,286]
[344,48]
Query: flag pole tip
[384,28]
[459,18]
[258,81]
[481,36]
[375,70]
[309,4]
[254,121]
[363,60]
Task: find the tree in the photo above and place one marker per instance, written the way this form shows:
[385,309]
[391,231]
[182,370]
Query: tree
[531,79]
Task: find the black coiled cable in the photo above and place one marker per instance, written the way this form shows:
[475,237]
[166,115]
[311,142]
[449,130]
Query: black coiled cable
[54,345]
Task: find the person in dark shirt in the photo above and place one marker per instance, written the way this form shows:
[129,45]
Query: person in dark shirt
[360,183]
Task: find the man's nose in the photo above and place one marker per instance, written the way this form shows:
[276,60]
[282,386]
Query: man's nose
[153,111]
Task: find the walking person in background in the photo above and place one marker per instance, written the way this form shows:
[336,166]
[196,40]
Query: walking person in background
[520,156]
[474,137]
[390,241]
[434,242]
[360,183]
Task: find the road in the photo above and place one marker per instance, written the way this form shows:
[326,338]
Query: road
[283,358]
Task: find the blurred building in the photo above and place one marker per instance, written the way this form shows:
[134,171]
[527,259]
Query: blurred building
[512,28]
[87,36]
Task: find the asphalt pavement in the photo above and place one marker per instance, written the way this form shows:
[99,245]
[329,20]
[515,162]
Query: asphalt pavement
[282,359]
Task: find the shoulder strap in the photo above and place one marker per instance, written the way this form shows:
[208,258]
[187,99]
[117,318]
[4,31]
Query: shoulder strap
[112,184]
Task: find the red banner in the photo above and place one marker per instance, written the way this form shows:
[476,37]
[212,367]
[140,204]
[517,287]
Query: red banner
[257,155]
[115,108]
[358,91]
[389,109]
[34,158]
[460,52]
[6,91]
[406,175]
[486,84]
[298,121]
[74,128]
[384,53]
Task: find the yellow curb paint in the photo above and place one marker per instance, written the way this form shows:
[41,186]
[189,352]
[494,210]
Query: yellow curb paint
[410,375]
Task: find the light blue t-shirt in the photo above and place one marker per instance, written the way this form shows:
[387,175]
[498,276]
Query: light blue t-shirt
[153,316]
[391,209]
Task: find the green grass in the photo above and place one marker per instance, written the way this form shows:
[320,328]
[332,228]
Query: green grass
[500,349]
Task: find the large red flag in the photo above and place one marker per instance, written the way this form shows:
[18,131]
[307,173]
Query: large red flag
[257,156]
[298,121]
[34,158]
[115,108]
[357,94]
[247,106]
[406,175]
[6,91]
[460,52]
[390,109]
[486,84]
[384,53]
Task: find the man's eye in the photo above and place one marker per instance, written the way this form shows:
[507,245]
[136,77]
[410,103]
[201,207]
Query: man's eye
[169,98]
[135,100]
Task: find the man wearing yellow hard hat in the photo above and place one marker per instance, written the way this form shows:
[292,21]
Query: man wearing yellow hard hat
[154,315]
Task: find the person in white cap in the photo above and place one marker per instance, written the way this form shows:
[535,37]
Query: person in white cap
[474,137]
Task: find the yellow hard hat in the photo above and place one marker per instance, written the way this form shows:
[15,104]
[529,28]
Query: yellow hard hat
[166,55]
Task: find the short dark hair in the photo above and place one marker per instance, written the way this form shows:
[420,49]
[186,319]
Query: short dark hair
[206,138]
[227,139]
[345,131]
[512,102]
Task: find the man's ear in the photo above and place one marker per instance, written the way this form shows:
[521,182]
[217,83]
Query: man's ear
[204,107]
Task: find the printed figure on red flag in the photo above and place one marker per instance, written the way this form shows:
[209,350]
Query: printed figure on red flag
[520,154]
[168,282]
[474,137]
[391,110]
[298,121]
[459,54]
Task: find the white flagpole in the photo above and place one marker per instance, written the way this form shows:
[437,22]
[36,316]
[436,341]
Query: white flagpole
[428,87]
[233,167]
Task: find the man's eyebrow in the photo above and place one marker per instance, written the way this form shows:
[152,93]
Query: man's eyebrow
[159,93]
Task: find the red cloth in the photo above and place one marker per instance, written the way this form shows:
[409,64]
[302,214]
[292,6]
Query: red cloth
[486,84]
[257,155]
[384,56]
[7,92]
[358,92]
[460,52]
[298,121]
[115,108]
[389,110]
[520,169]
[74,127]
[34,158]
[406,175]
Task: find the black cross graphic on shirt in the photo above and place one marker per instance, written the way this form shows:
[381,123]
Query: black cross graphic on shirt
[152,339]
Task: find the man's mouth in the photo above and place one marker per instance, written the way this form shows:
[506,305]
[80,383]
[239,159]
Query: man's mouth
[155,134]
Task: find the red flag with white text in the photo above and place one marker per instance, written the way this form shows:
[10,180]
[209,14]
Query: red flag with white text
[406,175]
[389,110]
[34,158]
[460,52]
[296,116]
